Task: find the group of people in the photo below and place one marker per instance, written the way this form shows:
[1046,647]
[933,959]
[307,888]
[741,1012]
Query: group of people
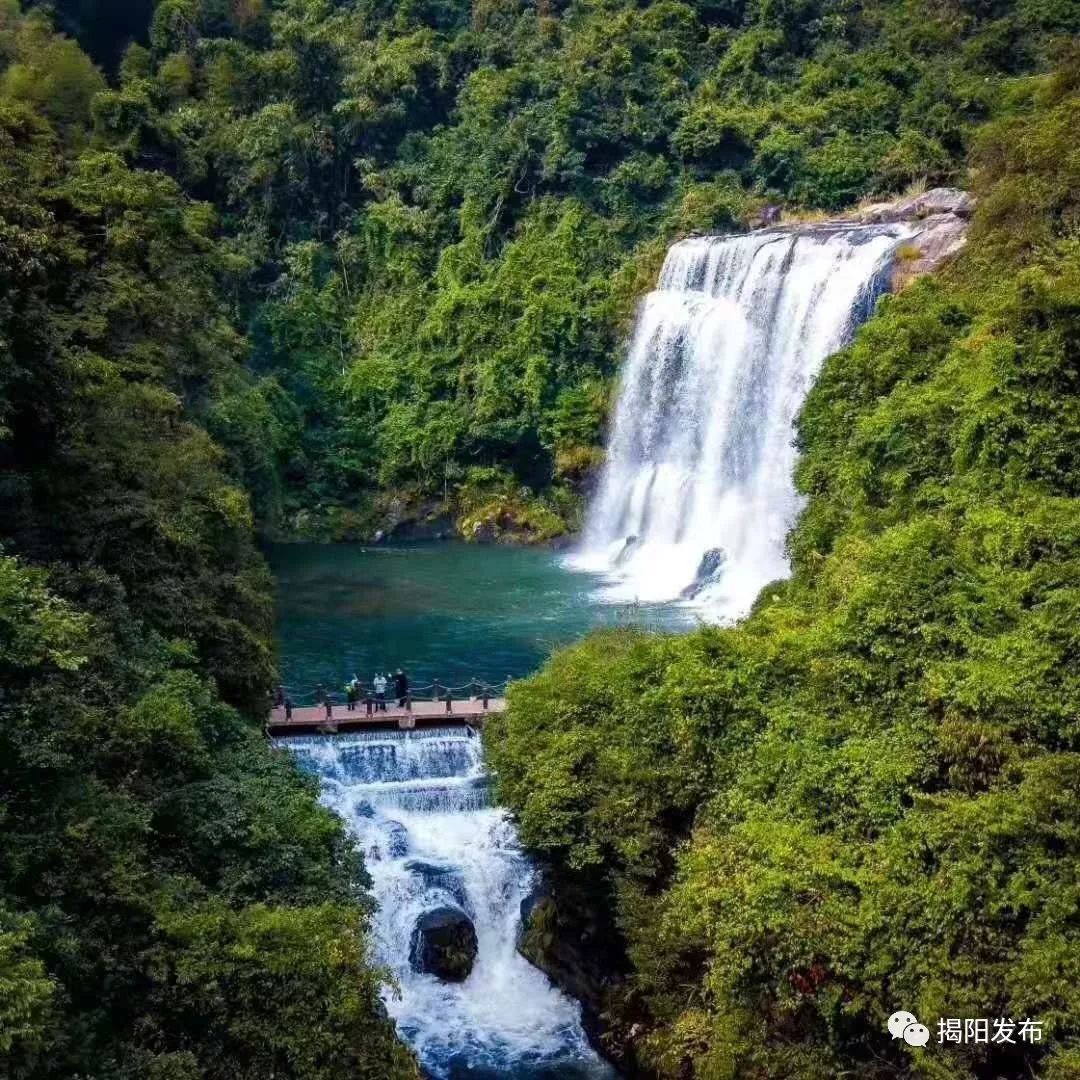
[354,691]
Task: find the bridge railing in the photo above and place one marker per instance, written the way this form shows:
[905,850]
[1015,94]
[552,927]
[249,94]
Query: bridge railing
[437,690]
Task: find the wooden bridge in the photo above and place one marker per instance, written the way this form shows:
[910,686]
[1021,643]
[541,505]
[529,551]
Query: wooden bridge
[313,719]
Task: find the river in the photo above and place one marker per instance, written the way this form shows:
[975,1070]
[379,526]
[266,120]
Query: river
[418,803]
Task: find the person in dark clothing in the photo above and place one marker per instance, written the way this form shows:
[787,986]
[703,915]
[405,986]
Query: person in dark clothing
[352,692]
[279,696]
[288,708]
[329,708]
[320,695]
[401,687]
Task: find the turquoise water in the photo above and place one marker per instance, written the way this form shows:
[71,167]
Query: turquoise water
[448,611]
[452,612]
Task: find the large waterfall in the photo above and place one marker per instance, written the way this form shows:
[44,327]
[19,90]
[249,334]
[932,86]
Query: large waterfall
[417,804]
[697,496]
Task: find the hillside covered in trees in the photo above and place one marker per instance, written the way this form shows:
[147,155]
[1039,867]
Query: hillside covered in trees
[173,901]
[436,216]
[865,796]
[309,266]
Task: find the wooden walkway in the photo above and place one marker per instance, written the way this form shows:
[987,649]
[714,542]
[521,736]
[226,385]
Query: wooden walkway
[312,719]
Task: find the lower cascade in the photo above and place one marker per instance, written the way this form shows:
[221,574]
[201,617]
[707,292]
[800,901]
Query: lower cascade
[697,495]
[450,879]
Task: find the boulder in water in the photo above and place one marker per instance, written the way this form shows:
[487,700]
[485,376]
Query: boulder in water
[395,839]
[444,944]
[708,571]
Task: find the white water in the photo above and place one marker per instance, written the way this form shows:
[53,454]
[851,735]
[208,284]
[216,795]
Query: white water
[701,455]
[418,806]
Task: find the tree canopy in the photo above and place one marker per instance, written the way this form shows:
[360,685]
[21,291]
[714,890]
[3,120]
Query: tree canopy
[174,903]
[865,796]
[438,216]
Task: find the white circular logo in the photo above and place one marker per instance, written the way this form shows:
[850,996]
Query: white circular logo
[900,1020]
[916,1034]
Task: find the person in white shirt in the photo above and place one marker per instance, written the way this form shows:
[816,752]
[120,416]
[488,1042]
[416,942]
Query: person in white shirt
[380,690]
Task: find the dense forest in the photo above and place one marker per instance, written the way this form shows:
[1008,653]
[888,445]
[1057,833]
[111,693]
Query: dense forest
[316,267]
[173,901]
[866,796]
[435,217]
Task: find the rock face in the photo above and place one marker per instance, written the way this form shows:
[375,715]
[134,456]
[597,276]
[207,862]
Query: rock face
[444,944]
[940,220]
[712,562]
[566,931]
[920,207]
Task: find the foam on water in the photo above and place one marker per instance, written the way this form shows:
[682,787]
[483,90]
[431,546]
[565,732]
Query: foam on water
[419,807]
[701,456]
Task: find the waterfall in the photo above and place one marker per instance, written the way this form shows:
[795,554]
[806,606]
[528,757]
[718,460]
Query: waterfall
[697,495]
[417,804]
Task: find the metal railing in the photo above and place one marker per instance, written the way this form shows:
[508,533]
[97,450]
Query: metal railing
[365,696]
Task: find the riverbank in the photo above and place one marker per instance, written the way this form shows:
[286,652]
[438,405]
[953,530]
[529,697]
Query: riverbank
[567,931]
[517,516]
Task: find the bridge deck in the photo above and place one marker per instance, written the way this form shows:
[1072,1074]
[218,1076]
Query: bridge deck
[424,714]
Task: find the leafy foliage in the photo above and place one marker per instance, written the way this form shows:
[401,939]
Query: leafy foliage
[173,901]
[440,215]
[865,796]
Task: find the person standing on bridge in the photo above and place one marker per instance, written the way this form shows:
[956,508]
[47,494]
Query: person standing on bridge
[401,687]
[379,682]
[288,708]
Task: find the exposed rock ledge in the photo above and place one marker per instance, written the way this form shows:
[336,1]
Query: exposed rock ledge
[940,219]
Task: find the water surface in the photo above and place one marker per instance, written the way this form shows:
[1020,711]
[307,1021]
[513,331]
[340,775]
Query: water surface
[449,611]
[417,803]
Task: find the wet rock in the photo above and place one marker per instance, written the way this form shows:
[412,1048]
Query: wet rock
[528,904]
[568,933]
[938,239]
[436,876]
[483,532]
[397,840]
[939,220]
[709,569]
[444,944]
[625,551]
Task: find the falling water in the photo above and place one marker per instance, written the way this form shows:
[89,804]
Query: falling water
[418,805]
[697,496]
